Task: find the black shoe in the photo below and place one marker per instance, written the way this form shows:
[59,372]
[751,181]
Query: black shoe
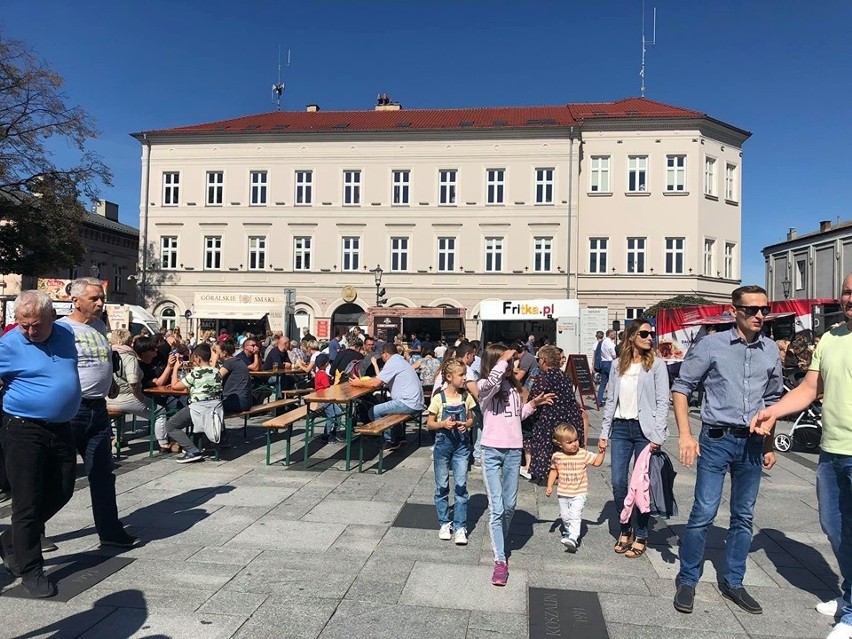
[123,540]
[684,598]
[47,544]
[740,597]
[38,585]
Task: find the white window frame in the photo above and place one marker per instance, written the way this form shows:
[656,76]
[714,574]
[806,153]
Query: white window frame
[599,174]
[169,322]
[447,187]
[257,253]
[544,185]
[710,176]
[598,249]
[730,256]
[212,253]
[351,187]
[258,188]
[636,247]
[731,182]
[350,253]
[446,253]
[709,257]
[494,250]
[215,188]
[171,188]
[637,174]
[399,253]
[676,173]
[633,313]
[304,195]
[302,245]
[400,187]
[169,252]
[543,254]
[495,186]
[675,251]
[800,273]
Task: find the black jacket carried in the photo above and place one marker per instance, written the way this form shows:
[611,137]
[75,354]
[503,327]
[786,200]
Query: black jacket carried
[662,475]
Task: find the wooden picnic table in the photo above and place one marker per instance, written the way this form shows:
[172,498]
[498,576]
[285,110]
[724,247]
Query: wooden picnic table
[341,394]
[278,375]
[154,392]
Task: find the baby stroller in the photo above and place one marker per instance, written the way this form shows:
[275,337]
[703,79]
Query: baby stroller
[807,427]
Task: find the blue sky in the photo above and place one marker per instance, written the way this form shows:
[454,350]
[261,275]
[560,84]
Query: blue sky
[774,67]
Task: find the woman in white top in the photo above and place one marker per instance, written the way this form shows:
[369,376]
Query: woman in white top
[637,405]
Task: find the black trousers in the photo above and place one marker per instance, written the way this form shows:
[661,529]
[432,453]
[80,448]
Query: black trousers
[41,464]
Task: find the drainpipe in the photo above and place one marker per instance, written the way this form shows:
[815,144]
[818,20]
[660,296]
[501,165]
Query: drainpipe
[570,211]
[143,287]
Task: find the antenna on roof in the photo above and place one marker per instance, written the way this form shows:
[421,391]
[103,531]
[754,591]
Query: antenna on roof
[278,87]
[652,42]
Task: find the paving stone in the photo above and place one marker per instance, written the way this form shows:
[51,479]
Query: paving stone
[497,624]
[228,556]
[658,612]
[46,619]
[353,512]
[275,534]
[136,623]
[629,631]
[258,496]
[434,585]
[359,620]
[666,565]
[233,602]
[281,618]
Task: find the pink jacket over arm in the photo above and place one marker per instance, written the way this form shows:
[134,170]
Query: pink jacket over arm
[639,490]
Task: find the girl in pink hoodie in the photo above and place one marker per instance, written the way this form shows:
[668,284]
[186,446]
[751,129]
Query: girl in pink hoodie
[502,445]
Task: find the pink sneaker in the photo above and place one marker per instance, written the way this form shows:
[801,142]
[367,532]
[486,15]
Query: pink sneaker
[501,573]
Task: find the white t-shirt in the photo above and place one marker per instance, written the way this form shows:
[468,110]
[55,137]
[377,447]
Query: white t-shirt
[628,393]
[607,350]
[94,357]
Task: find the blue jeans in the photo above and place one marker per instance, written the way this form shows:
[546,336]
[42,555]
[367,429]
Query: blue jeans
[451,448]
[743,457]
[626,440]
[92,435]
[477,435]
[500,468]
[834,495]
[392,407]
[333,413]
[606,367]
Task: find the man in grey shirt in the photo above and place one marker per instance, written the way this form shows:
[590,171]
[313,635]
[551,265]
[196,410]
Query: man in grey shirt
[741,369]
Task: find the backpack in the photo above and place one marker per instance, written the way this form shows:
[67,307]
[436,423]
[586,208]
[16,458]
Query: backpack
[350,371]
[598,357]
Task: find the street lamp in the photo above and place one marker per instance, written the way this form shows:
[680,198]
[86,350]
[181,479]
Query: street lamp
[95,270]
[785,287]
[377,273]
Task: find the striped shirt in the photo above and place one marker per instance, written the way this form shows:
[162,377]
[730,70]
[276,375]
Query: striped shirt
[571,470]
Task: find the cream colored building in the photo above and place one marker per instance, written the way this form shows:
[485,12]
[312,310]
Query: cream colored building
[615,204]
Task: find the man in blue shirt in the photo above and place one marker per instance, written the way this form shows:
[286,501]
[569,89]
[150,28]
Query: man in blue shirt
[741,369]
[38,366]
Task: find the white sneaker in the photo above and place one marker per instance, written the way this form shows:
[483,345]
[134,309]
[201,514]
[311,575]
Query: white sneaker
[446,532]
[829,608]
[841,631]
[460,537]
[523,472]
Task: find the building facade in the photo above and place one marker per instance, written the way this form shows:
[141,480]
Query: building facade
[618,205]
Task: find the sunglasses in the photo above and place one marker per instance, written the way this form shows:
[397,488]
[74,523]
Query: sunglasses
[646,334]
[753,310]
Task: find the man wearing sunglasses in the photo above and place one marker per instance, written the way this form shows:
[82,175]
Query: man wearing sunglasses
[741,369]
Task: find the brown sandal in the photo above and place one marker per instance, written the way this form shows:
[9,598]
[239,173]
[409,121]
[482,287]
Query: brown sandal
[635,552]
[622,547]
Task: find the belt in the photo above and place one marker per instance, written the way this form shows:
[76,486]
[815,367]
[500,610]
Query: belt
[92,401]
[38,422]
[717,430]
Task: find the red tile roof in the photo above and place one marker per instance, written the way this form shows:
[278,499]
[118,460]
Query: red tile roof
[435,119]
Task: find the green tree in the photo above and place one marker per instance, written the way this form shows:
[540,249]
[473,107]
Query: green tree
[40,209]
[678,301]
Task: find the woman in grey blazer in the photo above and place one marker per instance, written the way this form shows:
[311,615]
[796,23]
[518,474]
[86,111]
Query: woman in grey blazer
[637,405]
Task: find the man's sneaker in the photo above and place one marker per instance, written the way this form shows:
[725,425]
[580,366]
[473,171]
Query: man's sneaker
[841,631]
[188,457]
[570,544]
[38,585]
[460,538]
[829,608]
[47,544]
[501,573]
[684,598]
[123,540]
[740,597]
[446,532]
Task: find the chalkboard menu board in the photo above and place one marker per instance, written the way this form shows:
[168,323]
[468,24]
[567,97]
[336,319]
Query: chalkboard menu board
[578,368]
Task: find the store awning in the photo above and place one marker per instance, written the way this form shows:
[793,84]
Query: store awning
[237,313]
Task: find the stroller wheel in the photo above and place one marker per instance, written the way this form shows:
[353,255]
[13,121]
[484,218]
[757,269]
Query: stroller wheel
[783,442]
[808,436]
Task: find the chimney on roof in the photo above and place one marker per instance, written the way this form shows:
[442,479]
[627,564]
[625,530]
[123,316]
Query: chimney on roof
[791,233]
[106,209]
[384,103]
[312,108]
[824,225]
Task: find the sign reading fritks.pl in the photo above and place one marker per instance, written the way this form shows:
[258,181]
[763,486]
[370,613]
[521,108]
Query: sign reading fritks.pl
[528,309]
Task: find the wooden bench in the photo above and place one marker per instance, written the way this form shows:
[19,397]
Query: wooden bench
[297,392]
[377,430]
[261,409]
[282,422]
[117,416]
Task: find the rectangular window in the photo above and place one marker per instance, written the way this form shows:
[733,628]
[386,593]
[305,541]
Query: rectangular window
[118,279]
[352,188]
[447,186]
[632,313]
[258,188]
[304,188]
[597,254]
[213,252]
[257,252]
[709,261]
[544,186]
[168,252]
[675,173]
[801,275]
[351,253]
[674,255]
[171,188]
[635,254]
[493,254]
[494,179]
[710,176]
[542,254]
[446,254]
[215,188]
[731,182]
[599,174]
[301,253]
[729,260]
[637,173]
[401,184]
[399,253]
